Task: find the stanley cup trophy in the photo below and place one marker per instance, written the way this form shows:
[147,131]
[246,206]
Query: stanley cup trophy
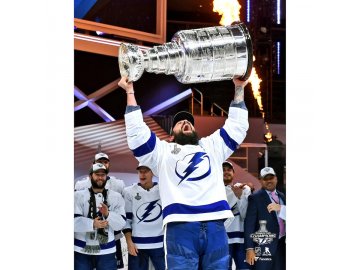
[200,55]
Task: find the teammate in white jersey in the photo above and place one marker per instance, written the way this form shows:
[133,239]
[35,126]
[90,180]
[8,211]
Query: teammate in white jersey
[190,172]
[143,230]
[114,184]
[98,213]
[237,195]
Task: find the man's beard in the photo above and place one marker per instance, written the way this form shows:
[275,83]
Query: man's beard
[227,181]
[183,139]
[94,184]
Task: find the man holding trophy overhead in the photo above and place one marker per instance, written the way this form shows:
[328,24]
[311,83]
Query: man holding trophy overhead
[189,168]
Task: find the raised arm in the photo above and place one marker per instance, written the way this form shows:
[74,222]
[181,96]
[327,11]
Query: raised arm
[239,90]
[144,144]
[228,138]
[129,89]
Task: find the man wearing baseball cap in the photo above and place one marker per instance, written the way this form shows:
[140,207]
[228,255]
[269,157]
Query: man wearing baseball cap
[112,183]
[98,213]
[237,195]
[264,205]
[189,171]
[186,120]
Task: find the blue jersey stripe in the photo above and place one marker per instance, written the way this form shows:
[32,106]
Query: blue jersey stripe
[129,215]
[178,208]
[235,234]
[82,244]
[228,140]
[146,148]
[147,240]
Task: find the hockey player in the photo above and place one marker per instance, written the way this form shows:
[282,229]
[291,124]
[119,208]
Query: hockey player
[237,195]
[190,172]
[143,231]
[114,184]
[98,213]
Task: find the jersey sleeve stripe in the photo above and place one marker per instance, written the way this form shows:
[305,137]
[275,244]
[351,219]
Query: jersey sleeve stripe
[232,144]
[145,148]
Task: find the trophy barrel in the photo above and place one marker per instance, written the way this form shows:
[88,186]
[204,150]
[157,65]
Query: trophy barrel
[215,53]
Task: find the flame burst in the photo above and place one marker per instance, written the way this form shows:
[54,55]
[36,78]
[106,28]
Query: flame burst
[229,9]
[255,86]
[255,81]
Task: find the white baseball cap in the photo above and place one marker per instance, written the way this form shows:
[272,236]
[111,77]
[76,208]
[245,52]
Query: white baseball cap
[98,166]
[101,155]
[266,171]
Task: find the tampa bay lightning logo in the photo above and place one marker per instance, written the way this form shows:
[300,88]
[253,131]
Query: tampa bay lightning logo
[193,167]
[149,211]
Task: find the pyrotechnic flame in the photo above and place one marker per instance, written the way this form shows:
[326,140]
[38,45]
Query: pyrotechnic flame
[255,81]
[229,9]
[255,86]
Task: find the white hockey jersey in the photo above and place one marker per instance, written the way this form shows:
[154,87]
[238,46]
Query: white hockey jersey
[235,230]
[83,226]
[144,216]
[190,176]
[112,183]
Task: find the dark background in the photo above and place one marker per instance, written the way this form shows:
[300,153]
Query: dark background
[92,71]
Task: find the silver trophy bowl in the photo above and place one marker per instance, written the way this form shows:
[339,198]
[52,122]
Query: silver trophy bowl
[194,56]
